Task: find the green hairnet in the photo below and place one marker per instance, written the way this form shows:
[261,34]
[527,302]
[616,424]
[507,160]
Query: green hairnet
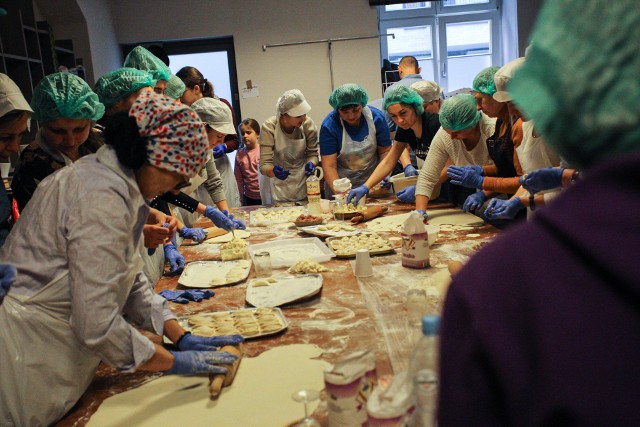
[65,96]
[175,87]
[348,94]
[403,95]
[144,60]
[459,112]
[120,83]
[484,83]
[580,83]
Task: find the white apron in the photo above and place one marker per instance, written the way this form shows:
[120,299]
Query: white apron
[44,366]
[290,154]
[358,159]
[533,152]
[223,164]
[264,182]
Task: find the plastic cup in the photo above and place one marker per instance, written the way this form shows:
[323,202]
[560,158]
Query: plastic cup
[364,268]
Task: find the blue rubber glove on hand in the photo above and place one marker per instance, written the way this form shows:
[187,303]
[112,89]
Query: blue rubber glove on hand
[7,276]
[197,234]
[357,193]
[309,169]
[280,172]
[385,183]
[409,170]
[200,362]
[219,150]
[424,214]
[196,342]
[407,195]
[176,260]
[183,297]
[503,209]
[474,201]
[466,176]
[219,218]
[238,224]
[542,179]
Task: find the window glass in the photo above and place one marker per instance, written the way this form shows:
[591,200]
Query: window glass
[405,6]
[463,2]
[468,38]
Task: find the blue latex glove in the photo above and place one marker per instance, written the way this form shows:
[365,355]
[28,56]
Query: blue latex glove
[542,179]
[219,218]
[474,201]
[200,362]
[357,193]
[197,234]
[237,223]
[424,214]
[195,342]
[466,176]
[219,150]
[183,297]
[176,260]
[503,209]
[280,172]
[385,183]
[7,276]
[309,168]
[407,194]
[409,170]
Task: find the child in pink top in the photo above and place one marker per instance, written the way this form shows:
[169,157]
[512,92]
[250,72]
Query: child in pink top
[247,163]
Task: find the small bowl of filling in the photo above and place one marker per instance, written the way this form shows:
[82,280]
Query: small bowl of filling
[307,220]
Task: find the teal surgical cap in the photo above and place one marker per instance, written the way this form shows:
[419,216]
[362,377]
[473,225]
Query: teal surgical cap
[484,83]
[65,96]
[144,60]
[175,87]
[459,113]
[403,95]
[348,94]
[580,83]
[118,84]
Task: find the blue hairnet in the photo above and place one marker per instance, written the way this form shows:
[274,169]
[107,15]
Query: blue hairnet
[348,94]
[580,83]
[175,87]
[144,60]
[120,83]
[483,82]
[459,113]
[65,96]
[403,95]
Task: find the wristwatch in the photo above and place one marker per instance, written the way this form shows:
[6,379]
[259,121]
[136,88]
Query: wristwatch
[575,176]
[532,202]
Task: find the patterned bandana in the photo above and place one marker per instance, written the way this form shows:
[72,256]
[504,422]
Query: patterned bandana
[176,138]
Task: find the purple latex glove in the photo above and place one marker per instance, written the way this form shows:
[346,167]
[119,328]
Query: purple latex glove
[7,276]
[219,218]
[196,342]
[200,362]
[474,201]
[466,176]
[407,194]
[197,234]
[280,172]
[176,260]
[409,170]
[219,150]
[542,179]
[503,209]
[357,193]
[309,168]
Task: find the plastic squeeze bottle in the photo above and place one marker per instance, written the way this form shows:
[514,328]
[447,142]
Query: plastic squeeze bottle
[423,372]
[415,242]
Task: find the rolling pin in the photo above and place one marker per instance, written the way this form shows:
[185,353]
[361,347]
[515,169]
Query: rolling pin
[216,382]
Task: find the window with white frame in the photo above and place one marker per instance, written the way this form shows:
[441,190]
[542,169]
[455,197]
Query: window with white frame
[451,39]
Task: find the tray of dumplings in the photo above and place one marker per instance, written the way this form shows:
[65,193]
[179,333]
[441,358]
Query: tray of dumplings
[250,323]
[332,229]
[210,274]
[346,247]
[268,216]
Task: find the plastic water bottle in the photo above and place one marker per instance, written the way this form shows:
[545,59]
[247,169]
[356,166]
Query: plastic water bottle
[423,370]
[313,193]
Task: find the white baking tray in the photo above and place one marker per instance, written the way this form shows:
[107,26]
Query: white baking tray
[285,253]
[282,290]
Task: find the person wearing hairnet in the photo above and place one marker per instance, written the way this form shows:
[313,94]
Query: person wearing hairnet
[532,152]
[66,109]
[142,59]
[431,94]
[462,139]
[118,89]
[354,138]
[416,130]
[80,289]
[288,148]
[501,178]
[175,88]
[551,336]
[15,113]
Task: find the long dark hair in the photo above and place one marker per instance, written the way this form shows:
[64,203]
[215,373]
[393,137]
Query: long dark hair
[252,123]
[191,77]
[121,132]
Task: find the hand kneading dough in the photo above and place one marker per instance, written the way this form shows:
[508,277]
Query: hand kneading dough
[260,395]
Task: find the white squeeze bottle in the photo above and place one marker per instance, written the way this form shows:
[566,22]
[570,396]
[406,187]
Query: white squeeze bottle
[423,372]
[313,193]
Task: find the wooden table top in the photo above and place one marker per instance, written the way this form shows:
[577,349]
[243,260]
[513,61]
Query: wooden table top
[350,314]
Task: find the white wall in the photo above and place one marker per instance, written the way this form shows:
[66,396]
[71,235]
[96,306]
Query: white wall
[253,23]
